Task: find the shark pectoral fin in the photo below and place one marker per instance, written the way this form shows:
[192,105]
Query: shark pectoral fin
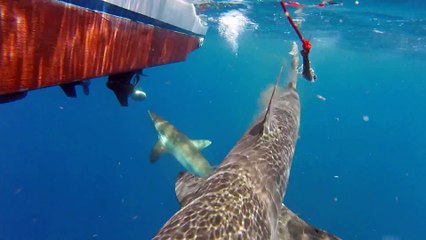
[290,226]
[200,144]
[157,151]
[186,187]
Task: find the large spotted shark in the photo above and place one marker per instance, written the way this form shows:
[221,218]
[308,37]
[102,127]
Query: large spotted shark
[242,198]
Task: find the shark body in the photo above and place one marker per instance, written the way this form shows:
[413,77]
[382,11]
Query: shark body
[242,198]
[185,150]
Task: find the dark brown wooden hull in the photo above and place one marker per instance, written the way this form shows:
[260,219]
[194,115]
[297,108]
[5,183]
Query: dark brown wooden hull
[45,43]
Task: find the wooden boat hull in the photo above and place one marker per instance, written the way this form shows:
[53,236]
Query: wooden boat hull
[45,43]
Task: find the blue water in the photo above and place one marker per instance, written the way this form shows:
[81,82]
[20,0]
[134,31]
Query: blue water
[79,168]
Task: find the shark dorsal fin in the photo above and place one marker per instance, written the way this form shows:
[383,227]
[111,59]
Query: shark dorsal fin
[201,144]
[186,187]
[290,226]
[273,92]
[259,127]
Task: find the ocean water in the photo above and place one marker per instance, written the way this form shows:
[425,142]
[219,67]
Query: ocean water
[79,168]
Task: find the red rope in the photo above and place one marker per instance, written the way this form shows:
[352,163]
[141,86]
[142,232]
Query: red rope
[305,43]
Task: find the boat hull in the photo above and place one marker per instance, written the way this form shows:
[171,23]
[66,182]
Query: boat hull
[45,43]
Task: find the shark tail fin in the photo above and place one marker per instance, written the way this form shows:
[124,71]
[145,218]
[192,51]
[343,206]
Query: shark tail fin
[187,186]
[290,226]
[294,65]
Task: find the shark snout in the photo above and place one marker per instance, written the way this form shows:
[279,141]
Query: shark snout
[154,117]
[158,122]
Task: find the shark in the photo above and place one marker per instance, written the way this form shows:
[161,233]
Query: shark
[242,197]
[185,150]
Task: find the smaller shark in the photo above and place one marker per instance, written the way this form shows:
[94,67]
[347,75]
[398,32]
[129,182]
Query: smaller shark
[185,150]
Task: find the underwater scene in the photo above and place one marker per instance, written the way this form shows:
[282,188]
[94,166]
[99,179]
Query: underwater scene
[88,168]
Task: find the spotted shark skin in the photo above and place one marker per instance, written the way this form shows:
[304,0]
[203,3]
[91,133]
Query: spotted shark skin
[242,198]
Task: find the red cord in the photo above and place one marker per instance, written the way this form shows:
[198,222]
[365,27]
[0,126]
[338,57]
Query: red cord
[305,43]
